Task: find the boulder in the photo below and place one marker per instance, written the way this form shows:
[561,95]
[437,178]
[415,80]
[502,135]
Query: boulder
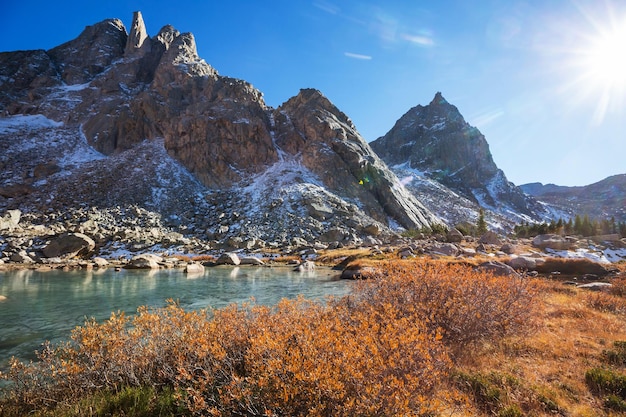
[508,248]
[22,257]
[446,249]
[333,235]
[572,266]
[454,236]
[194,268]
[45,170]
[372,229]
[144,261]
[370,241]
[251,260]
[358,272]
[100,262]
[16,190]
[10,220]
[298,242]
[490,238]
[228,258]
[596,286]
[522,263]
[555,242]
[319,210]
[305,266]
[497,268]
[69,245]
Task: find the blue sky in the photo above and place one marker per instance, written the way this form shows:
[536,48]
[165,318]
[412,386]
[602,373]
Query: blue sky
[542,80]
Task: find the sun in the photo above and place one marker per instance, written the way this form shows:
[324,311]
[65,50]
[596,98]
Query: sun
[601,61]
[606,58]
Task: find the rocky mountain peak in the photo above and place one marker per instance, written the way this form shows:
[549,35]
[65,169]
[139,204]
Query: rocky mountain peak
[138,34]
[438,99]
[436,141]
[310,126]
[80,60]
[166,35]
[304,163]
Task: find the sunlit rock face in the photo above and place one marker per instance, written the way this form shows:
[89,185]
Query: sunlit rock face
[330,146]
[437,141]
[119,90]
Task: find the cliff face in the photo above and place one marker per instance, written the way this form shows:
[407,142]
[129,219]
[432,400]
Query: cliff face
[327,142]
[118,90]
[436,141]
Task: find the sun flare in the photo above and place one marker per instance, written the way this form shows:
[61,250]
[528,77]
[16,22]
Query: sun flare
[606,58]
[601,60]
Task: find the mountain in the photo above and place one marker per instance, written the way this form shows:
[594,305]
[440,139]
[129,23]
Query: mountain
[113,119]
[437,154]
[602,200]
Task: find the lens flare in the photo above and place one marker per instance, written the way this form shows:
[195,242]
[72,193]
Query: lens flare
[599,60]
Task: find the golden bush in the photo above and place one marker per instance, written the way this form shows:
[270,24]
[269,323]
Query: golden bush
[465,305]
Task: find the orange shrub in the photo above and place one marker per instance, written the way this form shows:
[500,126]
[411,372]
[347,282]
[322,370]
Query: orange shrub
[604,302]
[619,287]
[298,358]
[306,359]
[465,305]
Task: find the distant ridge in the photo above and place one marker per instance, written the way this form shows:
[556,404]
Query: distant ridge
[602,200]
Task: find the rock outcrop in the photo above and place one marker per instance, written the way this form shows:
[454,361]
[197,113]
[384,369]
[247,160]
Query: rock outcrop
[69,245]
[310,126]
[92,52]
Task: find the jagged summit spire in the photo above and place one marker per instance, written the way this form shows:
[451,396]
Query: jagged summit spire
[137,35]
[438,99]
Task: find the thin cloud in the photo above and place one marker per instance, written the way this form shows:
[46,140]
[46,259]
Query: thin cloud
[419,40]
[327,7]
[487,117]
[358,56]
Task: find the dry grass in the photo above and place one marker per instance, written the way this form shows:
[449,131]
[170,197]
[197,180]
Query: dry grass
[551,363]
[342,257]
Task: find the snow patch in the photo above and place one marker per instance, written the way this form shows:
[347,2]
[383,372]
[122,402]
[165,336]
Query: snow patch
[604,256]
[74,87]
[13,124]
[438,126]
[81,153]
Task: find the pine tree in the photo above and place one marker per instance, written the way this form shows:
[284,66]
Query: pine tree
[481,224]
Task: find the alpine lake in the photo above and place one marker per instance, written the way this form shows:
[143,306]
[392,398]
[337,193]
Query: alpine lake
[39,306]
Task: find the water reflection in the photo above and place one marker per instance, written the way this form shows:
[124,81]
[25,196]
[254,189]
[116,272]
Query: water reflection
[47,305]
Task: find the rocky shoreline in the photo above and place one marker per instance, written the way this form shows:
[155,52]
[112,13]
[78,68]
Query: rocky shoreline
[134,237]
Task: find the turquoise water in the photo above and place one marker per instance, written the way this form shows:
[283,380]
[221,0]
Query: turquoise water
[42,306]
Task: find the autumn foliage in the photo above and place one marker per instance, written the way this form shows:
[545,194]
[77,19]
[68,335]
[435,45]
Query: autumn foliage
[387,349]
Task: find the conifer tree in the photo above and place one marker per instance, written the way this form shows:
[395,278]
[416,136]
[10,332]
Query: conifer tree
[481,224]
